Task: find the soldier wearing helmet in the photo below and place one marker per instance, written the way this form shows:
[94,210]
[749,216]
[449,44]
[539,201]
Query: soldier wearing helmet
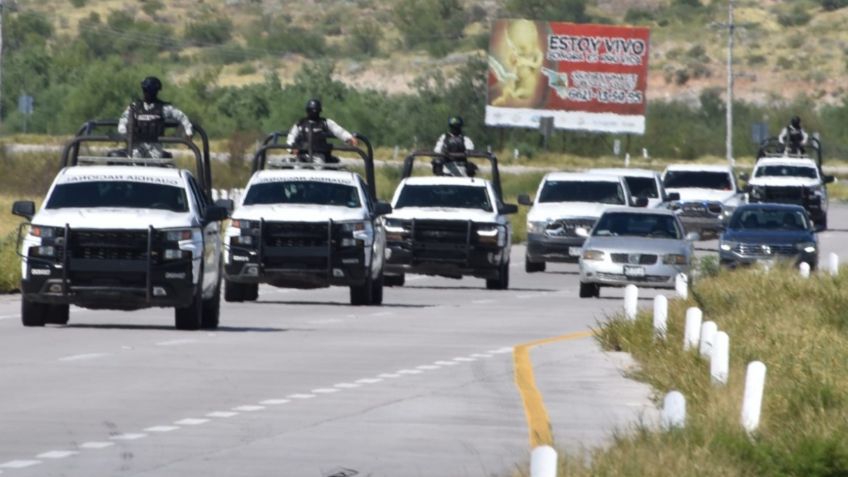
[455,145]
[145,120]
[793,137]
[308,137]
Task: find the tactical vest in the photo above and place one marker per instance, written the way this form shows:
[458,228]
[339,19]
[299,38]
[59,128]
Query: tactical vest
[320,133]
[455,144]
[148,124]
[796,136]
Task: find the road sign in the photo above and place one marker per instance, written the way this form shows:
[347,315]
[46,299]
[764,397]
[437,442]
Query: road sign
[759,132]
[25,104]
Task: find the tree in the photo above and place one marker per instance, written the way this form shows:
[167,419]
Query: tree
[435,25]
[549,10]
[365,38]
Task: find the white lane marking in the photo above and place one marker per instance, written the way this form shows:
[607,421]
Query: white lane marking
[19,464]
[248,408]
[346,385]
[368,380]
[80,357]
[176,342]
[481,355]
[463,359]
[161,429]
[324,391]
[427,367]
[507,349]
[222,414]
[274,402]
[56,454]
[388,375]
[446,363]
[408,371]
[191,422]
[96,445]
[128,436]
[300,396]
[481,302]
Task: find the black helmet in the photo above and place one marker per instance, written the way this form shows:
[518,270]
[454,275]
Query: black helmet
[313,109]
[151,85]
[795,122]
[455,124]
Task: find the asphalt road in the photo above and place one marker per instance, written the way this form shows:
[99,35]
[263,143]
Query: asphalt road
[301,384]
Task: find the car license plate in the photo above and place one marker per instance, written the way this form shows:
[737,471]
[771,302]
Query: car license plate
[634,271]
[575,251]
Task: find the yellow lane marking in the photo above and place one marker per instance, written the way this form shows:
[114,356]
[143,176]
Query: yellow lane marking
[538,422]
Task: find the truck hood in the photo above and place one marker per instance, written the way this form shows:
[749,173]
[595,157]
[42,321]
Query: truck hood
[558,210]
[708,195]
[113,218]
[299,213]
[780,181]
[439,213]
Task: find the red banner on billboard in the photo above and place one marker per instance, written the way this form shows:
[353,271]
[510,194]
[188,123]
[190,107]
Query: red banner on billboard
[586,77]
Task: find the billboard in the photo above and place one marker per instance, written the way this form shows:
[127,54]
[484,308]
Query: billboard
[586,77]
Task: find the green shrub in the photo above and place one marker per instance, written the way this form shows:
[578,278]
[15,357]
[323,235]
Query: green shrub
[211,31]
[798,15]
[10,265]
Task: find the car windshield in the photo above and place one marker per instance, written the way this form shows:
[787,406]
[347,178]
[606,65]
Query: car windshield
[618,224]
[303,192]
[604,192]
[642,187]
[787,171]
[768,219]
[135,195]
[698,180]
[449,196]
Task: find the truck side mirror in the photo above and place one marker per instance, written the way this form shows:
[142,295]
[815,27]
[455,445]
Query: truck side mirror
[24,208]
[744,176]
[674,196]
[226,203]
[382,208]
[215,213]
[829,179]
[524,199]
[640,201]
[509,209]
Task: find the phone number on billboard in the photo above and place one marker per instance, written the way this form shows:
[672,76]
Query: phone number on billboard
[616,96]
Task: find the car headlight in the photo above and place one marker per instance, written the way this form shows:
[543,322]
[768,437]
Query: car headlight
[726,246]
[675,259]
[596,255]
[537,226]
[806,247]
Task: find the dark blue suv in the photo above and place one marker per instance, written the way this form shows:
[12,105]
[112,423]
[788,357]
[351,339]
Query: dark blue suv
[768,233]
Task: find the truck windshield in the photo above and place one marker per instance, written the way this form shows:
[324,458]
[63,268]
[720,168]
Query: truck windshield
[303,192]
[447,196]
[134,195]
[697,180]
[642,187]
[604,192]
[787,171]
[617,224]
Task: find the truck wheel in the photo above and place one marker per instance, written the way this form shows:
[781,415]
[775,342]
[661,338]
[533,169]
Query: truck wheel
[57,314]
[361,295]
[212,310]
[190,317]
[823,223]
[251,291]
[240,291]
[377,290]
[589,290]
[533,267]
[33,314]
[394,280]
[502,282]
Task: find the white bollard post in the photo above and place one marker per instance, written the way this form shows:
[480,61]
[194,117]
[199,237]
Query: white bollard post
[720,360]
[752,403]
[681,286]
[627,160]
[708,334]
[215,195]
[804,268]
[660,316]
[692,332]
[543,462]
[673,411]
[631,301]
[833,264]
[224,194]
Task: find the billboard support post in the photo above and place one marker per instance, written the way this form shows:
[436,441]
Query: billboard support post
[546,128]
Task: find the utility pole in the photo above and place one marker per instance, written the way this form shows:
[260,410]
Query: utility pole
[730,32]
[1,62]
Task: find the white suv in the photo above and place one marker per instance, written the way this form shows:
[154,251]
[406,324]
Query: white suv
[791,180]
[708,195]
[566,202]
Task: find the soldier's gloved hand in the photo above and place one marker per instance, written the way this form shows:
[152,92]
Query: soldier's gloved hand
[353,142]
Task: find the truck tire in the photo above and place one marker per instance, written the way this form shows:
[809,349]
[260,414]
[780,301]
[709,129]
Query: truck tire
[394,280]
[212,310]
[589,290]
[362,295]
[190,317]
[533,267]
[238,292]
[32,313]
[57,314]
[823,223]
[502,282]
[251,291]
[377,290]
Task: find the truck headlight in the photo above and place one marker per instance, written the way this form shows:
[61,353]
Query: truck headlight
[675,259]
[488,235]
[806,247]
[46,232]
[394,226]
[537,226]
[758,192]
[178,235]
[362,231]
[596,255]
[726,246]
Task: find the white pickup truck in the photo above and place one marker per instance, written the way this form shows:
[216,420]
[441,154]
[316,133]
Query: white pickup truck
[708,195]
[791,180]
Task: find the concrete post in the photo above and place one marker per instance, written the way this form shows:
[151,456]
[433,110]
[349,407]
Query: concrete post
[631,301]
[660,316]
[708,334]
[752,402]
[543,462]
[673,411]
[681,286]
[833,264]
[692,332]
[804,269]
[720,360]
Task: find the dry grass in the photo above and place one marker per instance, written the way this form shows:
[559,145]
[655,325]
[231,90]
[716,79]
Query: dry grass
[798,328]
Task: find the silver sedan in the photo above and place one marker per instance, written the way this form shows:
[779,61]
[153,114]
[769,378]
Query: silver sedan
[645,247]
